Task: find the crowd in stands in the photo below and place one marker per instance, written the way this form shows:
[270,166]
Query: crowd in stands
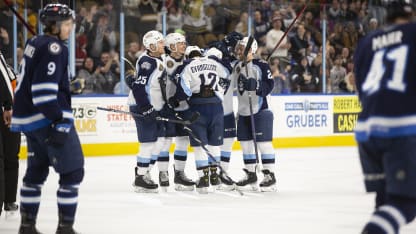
[296,64]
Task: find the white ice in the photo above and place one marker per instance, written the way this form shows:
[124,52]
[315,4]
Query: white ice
[320,191]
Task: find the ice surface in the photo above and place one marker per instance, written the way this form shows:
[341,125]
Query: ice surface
[320,191]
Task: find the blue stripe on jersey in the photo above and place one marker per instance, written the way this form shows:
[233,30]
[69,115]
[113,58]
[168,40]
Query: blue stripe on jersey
[249,156]
[30,123]
[385,127]
[45,86]
[181,153]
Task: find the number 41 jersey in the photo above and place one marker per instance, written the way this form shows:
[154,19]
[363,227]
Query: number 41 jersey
[385,70]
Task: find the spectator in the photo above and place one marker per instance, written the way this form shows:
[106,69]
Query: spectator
[133,53]
[303,78]
[260,28]
[334,10]
[80,50]
[102,37]
[93,80]
[299,44]
[337,76]
[109,67]
[273,37]
[372,25]
[242,25]
[281,79]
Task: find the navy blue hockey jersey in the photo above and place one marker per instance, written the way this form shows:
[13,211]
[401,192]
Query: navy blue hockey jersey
[385,72]
[42,94]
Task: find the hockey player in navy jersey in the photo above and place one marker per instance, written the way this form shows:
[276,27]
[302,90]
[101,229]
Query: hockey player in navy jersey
[42,110]
[385,74]
[199,84]
[146,99]
[176,45]
[258,83]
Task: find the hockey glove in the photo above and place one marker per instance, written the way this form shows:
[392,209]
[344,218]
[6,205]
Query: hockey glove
[59,132]
[250,84]
[167,112]
[148,112]
[173,102]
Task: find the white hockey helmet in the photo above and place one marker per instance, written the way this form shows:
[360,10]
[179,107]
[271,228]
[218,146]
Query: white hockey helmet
[152,38]
[244,42]
[214,52]
[173,38]
[190,49]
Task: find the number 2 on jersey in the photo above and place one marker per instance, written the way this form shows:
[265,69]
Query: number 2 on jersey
[374,77]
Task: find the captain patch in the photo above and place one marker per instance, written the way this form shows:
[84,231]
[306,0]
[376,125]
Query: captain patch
[54,48]
[145,66]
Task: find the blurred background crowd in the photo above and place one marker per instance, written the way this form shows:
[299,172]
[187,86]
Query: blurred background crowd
[315,57]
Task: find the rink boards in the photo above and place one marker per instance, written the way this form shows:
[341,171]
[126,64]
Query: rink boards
[299,121]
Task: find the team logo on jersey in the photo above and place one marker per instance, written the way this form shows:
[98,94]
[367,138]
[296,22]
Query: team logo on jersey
[160,67]
[146,66]
[238,69]
[169,64]
[54,48]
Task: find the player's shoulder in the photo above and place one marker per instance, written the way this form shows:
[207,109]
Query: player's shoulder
[47,45]
[146,62]
[263,64]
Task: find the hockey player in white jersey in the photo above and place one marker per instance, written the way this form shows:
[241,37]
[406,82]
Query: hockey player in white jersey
[254,87]
[176,46]
[145,98]
[228,85]
[199,84]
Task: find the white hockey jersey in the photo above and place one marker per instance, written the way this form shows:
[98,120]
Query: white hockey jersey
[171,65]
[146,90]
[259,70]
[202,71]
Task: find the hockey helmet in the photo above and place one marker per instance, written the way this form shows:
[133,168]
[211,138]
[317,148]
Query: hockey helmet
[214,52]
[398,8]
[244,42]
[173,38]
[53,13]
[191,49]
[232,38]
[152,38]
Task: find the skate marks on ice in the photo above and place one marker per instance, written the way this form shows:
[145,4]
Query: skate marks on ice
[318,191]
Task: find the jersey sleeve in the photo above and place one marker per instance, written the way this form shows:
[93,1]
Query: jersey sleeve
[145,68]
[47,75]
[266,83]
[182,78]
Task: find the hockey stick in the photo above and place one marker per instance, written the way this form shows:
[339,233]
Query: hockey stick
[287,31]
[32,31]
[128,61]
[250,101]
[196,138]
[194,117]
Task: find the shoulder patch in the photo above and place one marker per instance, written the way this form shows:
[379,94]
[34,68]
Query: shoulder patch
[160,67]
[54,48]
[145,66]
[169,64]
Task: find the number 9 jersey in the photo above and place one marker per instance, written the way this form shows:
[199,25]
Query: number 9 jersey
[38,100]
[384,66]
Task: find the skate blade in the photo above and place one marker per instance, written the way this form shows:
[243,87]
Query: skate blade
[249,188]
[145,190]
[202,190]
[224,187]
[184,188]
[271,188]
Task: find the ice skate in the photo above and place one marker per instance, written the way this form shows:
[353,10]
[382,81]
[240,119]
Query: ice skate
[144,184]
[65,229]
[249,182]
[268,184]
[28,228]
[227,184]
[203,183]
[214,177]
[182,183]
[164,180]
[11,209]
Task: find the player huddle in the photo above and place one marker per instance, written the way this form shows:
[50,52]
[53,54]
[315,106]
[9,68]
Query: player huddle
[180,82]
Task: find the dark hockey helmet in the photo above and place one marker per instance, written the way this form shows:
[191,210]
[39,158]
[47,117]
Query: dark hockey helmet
[397,9]
[53,13]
